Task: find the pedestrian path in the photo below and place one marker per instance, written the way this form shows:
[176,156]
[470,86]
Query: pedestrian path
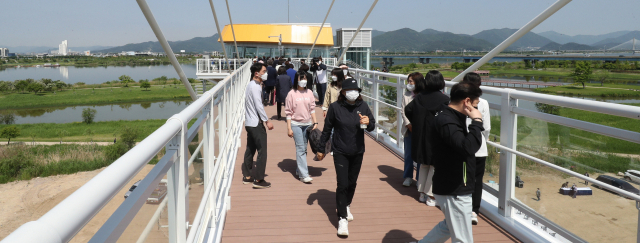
[291,211]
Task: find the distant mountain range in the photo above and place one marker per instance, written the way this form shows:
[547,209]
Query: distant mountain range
[197,44]
[403,40]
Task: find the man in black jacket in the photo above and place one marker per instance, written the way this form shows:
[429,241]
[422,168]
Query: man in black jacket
[454,160]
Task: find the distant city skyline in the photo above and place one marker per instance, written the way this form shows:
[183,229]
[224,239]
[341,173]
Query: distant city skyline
[120,22]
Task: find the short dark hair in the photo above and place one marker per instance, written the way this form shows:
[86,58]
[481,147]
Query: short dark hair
[290,65]
[270,62]
[417,78]
[338,73]
[473,78]
[297,76]
[304,67]
[256,67]
[433,81]
[463,90]
[282,70]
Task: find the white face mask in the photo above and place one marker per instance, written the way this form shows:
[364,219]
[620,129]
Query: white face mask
[352,95]
[334,78]
[411,87]
[302,83]
[264,76]
[345,71]
[320,62]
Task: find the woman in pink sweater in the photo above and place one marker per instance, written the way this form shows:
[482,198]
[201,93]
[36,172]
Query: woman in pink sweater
[301,115]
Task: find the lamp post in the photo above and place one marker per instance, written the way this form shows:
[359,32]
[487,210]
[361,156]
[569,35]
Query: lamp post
[279,42]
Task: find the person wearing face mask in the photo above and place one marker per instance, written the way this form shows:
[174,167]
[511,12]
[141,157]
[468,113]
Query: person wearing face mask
[321,74]
[454,157]
[333,91]
[420,112]
[348,117]
[300,110]
[407,97]
[345,70]
[255,116]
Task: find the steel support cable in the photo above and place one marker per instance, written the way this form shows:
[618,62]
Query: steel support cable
[165,46]
[514,37]
[232,31]
[215,17]
[321,26]
[357,31]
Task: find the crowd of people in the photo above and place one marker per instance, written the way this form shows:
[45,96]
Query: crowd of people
[444,135]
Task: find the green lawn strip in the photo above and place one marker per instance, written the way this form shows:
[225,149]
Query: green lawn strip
[572,90]
[91,97]
[103,131]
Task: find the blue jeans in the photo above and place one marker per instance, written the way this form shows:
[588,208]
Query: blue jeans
[408,160]
[300,137]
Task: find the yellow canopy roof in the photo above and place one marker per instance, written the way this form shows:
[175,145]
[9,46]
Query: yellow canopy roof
[291,34]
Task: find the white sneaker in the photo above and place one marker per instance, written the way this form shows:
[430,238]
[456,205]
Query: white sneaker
[474,218]
[343,228]
[349,215]
[431,202]
[423,197]
[306,179]
[407,181]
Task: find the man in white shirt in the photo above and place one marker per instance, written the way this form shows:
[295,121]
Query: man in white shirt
[481,155]
[321,73]
[255,116]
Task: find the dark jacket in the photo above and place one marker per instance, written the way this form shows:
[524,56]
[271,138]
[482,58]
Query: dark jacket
[283,86]
[454,156]
[348,137]
[271,77]
[420,113]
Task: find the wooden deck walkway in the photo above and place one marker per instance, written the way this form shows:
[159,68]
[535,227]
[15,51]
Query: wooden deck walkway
[291,211]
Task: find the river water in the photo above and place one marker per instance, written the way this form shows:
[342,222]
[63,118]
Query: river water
[94,75]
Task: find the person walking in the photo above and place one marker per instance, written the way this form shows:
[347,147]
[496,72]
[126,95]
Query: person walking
[320,72]
[348,117]
[538,194]
[481,155]
[301,115]
[283,86]
[333,91]
[407,97]
[587,175]
[421,113]
[270,84]
[453,179]
[255,116]
[291,72]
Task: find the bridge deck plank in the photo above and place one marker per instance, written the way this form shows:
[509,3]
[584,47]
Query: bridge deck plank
[291,211]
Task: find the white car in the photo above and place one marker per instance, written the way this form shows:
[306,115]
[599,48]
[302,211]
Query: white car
[632,175]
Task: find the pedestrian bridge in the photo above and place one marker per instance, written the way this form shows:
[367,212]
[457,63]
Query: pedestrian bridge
[543,140]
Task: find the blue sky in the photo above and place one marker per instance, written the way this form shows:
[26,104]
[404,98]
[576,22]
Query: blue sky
[118,22]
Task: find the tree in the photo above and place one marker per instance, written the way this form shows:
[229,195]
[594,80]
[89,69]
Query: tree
[128,136]
[10,132]
[61,134]
[88,115]
[175,82]
[89,133]
[59,84]
[35,87]
[8,118]
[455,65]
[125,80]
[4,86]
[145,85]
[21,85]
[582,73]
[603,77]
[48,84]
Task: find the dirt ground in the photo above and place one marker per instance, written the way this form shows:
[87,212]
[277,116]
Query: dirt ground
[601,217]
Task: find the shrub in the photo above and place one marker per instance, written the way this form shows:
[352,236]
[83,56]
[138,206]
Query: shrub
[115,151]
[145,85]
[88,115]
[128,136]
[9,133]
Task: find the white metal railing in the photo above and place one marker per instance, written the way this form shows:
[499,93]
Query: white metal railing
[218,65]
[326,61]
[372,84]
[221,109]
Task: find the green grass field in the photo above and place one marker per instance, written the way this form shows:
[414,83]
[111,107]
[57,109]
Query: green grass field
[91,97]
[608,90]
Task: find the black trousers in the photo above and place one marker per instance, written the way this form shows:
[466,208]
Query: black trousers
[347,171]
[279,104]
[256,140]
[321,89]
[477,193]
[269,94]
